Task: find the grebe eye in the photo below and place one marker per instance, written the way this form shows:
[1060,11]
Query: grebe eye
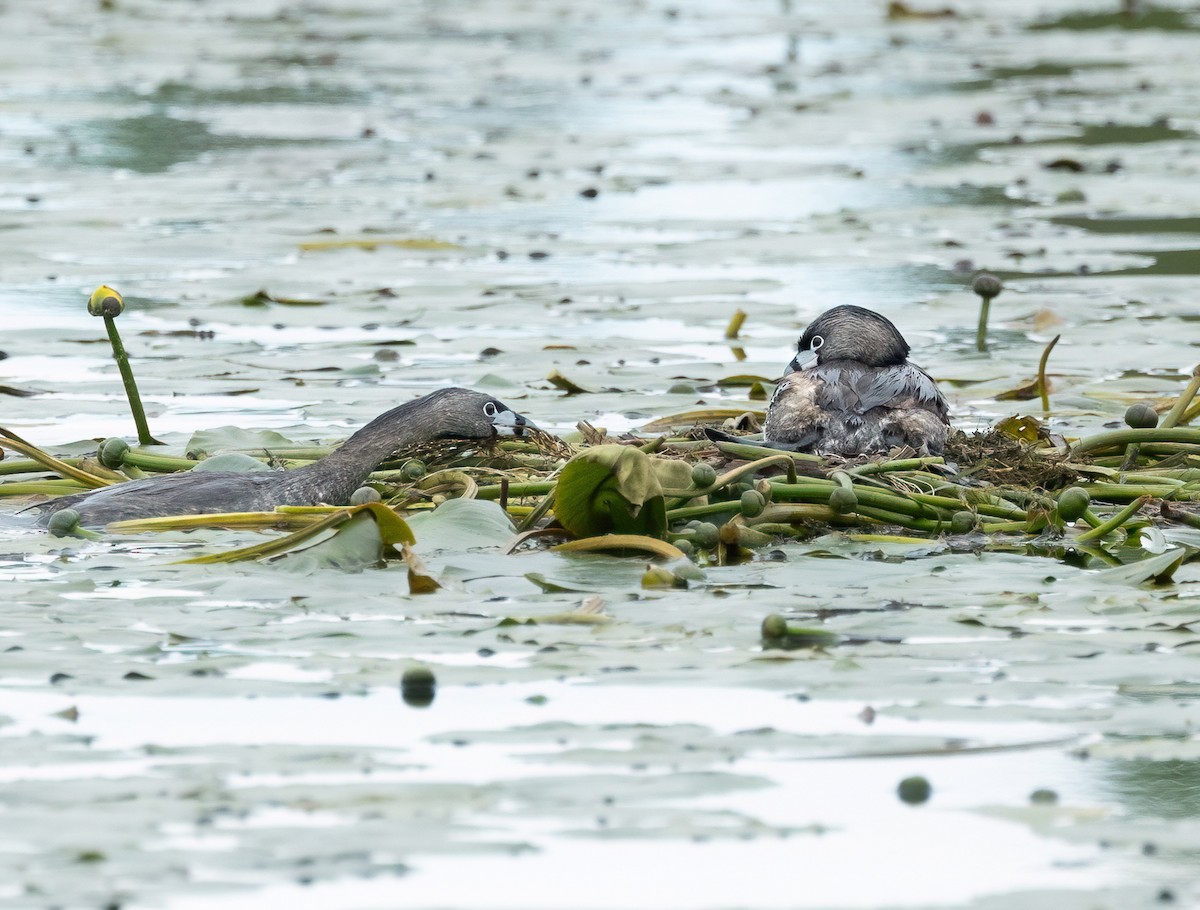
[816,343]
[490,409]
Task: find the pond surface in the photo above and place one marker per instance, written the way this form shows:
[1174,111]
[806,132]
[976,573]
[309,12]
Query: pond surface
[592,188]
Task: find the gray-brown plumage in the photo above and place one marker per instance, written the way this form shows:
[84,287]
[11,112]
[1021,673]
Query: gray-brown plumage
[850,390]
[445,414]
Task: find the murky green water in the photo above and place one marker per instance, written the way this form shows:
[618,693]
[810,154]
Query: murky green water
[235,736]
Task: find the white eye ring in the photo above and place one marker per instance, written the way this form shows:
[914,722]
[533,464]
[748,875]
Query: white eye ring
[816,343]
[490,409]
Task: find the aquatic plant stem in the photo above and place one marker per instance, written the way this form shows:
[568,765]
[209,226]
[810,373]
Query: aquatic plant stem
[1118,439]
[985,304]
[987,286]
[1115,521]
[131,389]
[1181,403]
[107,303]
[1042,384]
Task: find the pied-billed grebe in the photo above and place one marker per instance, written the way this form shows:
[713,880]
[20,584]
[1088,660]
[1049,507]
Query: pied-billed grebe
[850,390]
[445,414]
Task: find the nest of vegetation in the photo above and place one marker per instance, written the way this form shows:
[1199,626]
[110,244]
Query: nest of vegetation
[728,495]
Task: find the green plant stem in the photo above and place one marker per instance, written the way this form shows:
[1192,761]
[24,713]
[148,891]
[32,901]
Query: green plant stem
[1119,439]
[1043,385]
[159,464]
[1131,456]
[903,464]
[1115,521]
[1124,492]
[745,450]
[985,304]
[1190,519]
[983,508]
[1003,527]
[1181,403]
[48,487]
[687,513]
[516,490]
[131,389]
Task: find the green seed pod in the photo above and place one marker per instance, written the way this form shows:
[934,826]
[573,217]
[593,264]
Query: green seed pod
[962,522]
[987,285]
[774,626]
[766,488]
[684,546]
[1072,503]
[112,452]
[363,495]
[418,687]
[707,535]
[842,500]
[703,474]
[105,301]
[753,503]
[1141,416]
[63,523]
[914,790]
[413,469]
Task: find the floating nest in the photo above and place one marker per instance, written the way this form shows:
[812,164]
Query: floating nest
[996,458]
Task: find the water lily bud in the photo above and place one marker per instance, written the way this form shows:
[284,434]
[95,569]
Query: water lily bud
[106,301]
[63,523]
[112,452]
[418,687]
[962,522]
[1141,416]
[753,503]
[914,790]
[1072,503]
[363,495]
[703,474]
[987,285]
[707,535]
[774,626]
[843,500]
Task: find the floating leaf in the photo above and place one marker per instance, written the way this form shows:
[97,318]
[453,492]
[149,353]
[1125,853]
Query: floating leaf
[694,418]
[370,243]
[1158,568]
[462,524]
[222,439]
[419,579]
[608,542]
[562,383]
[237,462]
[262,298]
[1024,392]
[392,530]
[1024,428]
[552,587]
[610,489]
[743,379]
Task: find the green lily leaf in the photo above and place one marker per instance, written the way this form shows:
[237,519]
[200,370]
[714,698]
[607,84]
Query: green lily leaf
[611,489]
[388,530]
[461,524]
[222,439]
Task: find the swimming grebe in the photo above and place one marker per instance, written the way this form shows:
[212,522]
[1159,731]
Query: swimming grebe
[445,414]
